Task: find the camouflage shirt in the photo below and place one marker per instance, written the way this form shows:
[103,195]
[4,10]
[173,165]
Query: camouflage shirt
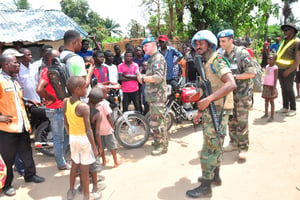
[243,64]
[157,67]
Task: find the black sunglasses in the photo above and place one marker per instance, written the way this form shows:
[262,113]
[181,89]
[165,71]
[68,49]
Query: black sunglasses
[286,28]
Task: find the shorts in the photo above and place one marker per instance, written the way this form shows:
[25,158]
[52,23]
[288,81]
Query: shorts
[81,150]
[297,77]
[109,142]
[95,166]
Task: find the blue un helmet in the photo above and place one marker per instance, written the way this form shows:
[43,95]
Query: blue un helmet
[205,35]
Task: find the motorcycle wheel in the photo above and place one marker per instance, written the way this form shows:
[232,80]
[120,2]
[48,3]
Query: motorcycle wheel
[43,134]
[133,137]
[170,118]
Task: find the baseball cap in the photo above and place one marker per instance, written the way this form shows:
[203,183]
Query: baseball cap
[13,52]
[147,40]
[225,33]
[163,38]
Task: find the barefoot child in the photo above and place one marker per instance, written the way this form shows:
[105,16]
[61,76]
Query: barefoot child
[269,90]
[106,129]
[77,122]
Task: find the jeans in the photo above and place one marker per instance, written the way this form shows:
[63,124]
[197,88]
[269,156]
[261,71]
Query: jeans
[60,137]
[288,95]
[19,164]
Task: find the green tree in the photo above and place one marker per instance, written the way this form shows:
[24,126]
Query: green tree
[135,29]
[112,27]
[22,4]
[287,10]
[89,20]
[154,8]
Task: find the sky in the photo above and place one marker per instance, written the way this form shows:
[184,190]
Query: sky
[121,11]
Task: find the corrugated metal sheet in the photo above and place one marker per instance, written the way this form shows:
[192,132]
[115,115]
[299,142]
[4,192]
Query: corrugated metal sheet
[35,25]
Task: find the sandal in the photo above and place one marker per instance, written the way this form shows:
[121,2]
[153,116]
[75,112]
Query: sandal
[71,194]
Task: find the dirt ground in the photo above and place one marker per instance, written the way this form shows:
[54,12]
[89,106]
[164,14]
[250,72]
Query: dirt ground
[272,170]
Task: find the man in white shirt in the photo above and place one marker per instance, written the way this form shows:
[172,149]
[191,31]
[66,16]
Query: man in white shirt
[28,76]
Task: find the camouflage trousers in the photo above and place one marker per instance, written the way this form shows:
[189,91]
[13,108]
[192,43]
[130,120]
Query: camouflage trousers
[238,124]
[158,125]
[211,153]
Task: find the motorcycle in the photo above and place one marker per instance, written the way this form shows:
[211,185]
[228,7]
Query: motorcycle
[182,103]
[131,127]
[40,125]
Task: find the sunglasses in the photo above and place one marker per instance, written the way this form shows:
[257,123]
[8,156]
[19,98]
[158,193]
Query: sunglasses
[286,29]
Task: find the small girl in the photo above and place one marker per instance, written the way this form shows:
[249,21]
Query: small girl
[269,90]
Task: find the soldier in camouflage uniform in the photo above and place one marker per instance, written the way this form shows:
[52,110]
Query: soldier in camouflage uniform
[218,72]
[243,69]
[156,94]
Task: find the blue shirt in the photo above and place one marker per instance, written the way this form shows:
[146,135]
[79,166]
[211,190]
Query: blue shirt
[88,53]
[275,46]
[169,57]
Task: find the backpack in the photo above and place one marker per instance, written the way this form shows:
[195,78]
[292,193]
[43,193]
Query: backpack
[58,75]
[257,80]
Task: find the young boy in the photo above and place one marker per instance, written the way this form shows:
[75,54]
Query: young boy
[128,77]
[95,97]
[77,122]
[106,129]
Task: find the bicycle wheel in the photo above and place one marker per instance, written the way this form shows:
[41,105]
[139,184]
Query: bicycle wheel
[133,134]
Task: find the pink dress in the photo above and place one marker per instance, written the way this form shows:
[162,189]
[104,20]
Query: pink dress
[269,83]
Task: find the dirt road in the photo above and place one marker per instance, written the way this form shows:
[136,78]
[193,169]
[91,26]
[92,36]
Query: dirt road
[272,171]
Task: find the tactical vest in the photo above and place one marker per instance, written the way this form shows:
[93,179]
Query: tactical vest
[217,83]
[286,53]
[8,102]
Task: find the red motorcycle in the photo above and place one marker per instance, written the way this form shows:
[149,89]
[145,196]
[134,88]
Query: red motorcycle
[182,103]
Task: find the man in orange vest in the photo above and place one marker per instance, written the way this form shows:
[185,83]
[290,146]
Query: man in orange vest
[288,59]
[14,124]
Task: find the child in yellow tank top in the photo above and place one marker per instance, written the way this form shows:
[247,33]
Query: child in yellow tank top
[82,143]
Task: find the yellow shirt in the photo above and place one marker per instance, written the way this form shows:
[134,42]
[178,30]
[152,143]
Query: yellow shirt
[76,123]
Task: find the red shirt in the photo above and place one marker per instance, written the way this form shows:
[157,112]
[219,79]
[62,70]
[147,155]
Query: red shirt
[58,103]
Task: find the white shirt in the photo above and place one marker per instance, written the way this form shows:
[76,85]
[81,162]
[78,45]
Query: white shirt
[28,79]
[112,73]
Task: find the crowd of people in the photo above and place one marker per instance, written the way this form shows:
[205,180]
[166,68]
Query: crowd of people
[141,74]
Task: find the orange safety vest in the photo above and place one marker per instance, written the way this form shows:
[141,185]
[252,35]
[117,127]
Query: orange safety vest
[8,102]
[285,57]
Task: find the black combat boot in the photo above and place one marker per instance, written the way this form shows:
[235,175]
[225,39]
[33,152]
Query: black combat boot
[216,180]
[203,191]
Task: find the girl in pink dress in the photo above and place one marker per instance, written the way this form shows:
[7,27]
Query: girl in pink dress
[269,90]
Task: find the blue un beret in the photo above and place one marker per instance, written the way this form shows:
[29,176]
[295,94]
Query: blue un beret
[147,40]
[225,33]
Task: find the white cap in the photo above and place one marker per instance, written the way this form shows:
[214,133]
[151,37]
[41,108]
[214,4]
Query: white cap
[13,52]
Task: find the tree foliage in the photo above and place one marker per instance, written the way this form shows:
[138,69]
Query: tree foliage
[89,20]
[22,4]
[135,29]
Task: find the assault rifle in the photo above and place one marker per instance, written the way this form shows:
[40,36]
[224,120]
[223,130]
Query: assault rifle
[206,87]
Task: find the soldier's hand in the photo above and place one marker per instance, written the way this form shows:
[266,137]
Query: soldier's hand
[197,117]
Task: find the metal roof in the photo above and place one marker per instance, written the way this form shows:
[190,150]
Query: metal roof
[35,25]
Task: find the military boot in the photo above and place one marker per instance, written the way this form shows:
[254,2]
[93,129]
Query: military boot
[203,191]
[216,180]
[159,151]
